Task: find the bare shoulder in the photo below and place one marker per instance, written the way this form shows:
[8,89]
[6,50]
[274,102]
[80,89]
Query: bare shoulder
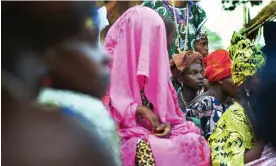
[37,137]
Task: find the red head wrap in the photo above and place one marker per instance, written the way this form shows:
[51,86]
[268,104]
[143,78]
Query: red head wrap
[217,66]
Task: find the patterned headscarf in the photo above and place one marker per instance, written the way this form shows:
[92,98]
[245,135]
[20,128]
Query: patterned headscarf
[217,66]
[201,35]
[184,60]
[246,58]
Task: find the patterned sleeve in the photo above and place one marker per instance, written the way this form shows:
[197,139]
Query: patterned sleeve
[195,108]
[231,137]
[148,3]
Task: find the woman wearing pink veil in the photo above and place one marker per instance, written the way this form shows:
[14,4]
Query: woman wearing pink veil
[143,101]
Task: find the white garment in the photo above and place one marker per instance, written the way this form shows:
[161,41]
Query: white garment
[103,21]
[90,108]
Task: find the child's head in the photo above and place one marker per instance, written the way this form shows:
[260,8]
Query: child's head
[170,30]
[201,44]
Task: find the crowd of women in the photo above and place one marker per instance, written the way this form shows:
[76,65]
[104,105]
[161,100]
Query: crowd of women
[152,95]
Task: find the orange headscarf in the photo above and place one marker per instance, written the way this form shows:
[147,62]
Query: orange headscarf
[217,66]
[184,60]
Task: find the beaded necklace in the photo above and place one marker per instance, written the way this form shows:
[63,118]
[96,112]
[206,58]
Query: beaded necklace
[182,23]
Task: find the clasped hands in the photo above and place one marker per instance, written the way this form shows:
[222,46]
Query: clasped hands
[159,129]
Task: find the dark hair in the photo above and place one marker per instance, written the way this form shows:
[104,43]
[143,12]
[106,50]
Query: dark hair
[247,103]
[36,25]
[265,105]
[169,24]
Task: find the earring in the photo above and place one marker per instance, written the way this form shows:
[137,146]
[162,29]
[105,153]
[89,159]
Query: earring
[247,92]
[182,84]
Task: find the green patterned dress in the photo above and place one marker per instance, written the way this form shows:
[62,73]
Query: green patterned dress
[197,17]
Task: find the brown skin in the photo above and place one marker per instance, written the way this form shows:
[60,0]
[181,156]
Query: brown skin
[253,84]
[79,66]
[201,46]
[223,89]
[147,114]
[192,80]
[178,3]
[170,38]
[206,85]
[110,6]
[227,85]
[159,129]
[32,135]
[192,77]
[255,152]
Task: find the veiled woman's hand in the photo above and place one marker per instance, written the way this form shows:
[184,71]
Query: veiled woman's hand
[148,115]
[163,130]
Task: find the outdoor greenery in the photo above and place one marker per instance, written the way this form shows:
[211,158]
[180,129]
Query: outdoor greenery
[214,40]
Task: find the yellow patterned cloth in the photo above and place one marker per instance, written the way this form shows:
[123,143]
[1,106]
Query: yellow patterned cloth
[144,156]
[246,58]
[232,136]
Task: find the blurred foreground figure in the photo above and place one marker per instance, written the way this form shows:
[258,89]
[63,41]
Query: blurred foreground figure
[264,108]
[78,89]
[30,135]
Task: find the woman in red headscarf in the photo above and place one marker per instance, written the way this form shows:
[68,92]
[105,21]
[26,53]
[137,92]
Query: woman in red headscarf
[209,106]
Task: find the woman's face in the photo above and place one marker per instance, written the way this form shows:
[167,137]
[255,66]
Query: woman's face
[201,46]
[192,77]
[228,86]
[80,65]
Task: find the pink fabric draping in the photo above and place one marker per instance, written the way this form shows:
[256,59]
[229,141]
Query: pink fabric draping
[137,44]
[268,157]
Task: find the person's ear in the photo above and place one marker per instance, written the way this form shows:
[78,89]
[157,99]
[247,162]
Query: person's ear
[220,83]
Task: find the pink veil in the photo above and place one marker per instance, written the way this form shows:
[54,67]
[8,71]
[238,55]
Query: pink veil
[137,44]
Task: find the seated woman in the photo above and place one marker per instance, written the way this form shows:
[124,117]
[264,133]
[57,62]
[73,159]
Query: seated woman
[143,102]
[232,141]
[208,106]
[187,69]
[264,107]
[170,32]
